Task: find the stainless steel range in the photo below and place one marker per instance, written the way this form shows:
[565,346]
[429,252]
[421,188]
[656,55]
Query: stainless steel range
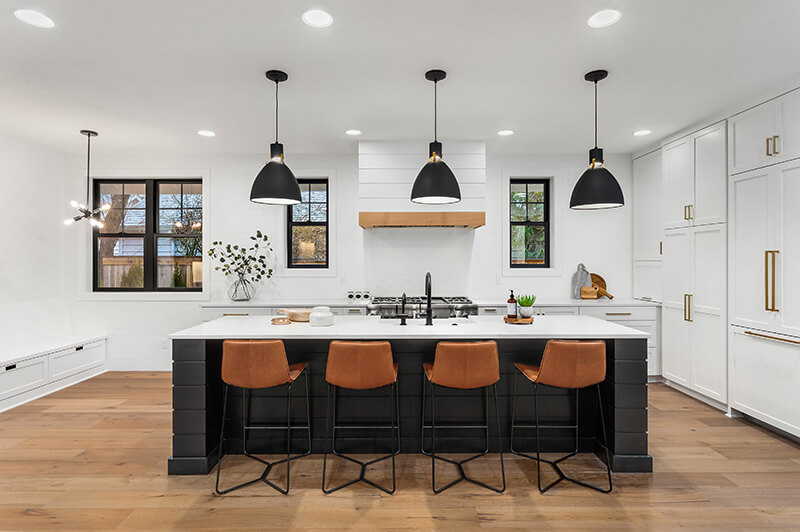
[442,307]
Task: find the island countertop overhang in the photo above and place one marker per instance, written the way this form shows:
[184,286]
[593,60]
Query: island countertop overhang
[375,328]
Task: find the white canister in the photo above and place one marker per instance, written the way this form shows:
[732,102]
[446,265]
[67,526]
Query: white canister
[320,317]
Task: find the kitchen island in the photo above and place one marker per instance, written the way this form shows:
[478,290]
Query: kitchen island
[197,388]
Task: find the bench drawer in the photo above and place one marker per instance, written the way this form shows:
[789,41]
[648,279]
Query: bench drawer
[22,376]
[76,359]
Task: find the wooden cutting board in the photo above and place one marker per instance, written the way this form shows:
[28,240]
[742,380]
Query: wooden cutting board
[518,321]
[601,285]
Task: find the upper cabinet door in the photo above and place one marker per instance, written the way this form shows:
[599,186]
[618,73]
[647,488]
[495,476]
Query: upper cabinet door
[787,126]
[751,239]
[648,207]
[785,282]
[678,169]
[751,135]
[710,176]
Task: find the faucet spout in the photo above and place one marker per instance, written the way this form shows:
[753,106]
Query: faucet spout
[428,309]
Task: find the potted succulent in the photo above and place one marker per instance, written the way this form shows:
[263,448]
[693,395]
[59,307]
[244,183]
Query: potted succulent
[525,303]
[248,265]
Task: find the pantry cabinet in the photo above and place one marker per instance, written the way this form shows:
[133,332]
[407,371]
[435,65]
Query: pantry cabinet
[648,207]
[695,173]
[765,134]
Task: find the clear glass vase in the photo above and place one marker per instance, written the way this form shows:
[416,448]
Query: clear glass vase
[241,289]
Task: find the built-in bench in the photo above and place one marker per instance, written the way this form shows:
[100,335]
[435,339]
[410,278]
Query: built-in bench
[40,353]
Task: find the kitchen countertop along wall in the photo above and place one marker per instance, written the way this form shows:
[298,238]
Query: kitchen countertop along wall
[305,302]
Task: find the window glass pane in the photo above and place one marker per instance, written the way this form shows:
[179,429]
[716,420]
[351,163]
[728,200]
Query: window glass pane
[134,195]
[120,262]
[536,192]
[319,212]
[180,263]
[319,192]
[134,221]
[527,244]
[517,192]
[300,211]
[517,212]
[192,195]
[111,193]
[169,221]
[112,221]
[192,221]
[517,244]
[169,195]
[536,212]
[305,192]
[309,245]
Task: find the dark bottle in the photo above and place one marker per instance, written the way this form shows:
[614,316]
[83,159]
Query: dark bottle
[512,306]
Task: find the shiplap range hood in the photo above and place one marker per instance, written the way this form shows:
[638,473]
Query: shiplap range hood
[386,172]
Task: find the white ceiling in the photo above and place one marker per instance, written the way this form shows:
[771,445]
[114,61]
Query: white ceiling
[147,74]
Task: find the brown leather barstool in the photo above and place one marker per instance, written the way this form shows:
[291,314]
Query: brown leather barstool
[464,366]
[361,366]
[565,364]
[259,364]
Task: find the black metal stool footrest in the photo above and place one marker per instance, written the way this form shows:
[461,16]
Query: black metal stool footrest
[362,475]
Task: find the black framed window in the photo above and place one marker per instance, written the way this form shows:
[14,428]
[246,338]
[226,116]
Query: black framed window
[529,216]
[152,236]
[307,226]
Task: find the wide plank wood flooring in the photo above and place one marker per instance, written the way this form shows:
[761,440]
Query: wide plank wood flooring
[94,456]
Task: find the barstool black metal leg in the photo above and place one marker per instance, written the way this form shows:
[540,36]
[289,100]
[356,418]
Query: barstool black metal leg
[394,407]
[460,463]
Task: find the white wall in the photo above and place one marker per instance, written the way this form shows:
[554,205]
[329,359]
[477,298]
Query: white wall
[32,251]
[386,261]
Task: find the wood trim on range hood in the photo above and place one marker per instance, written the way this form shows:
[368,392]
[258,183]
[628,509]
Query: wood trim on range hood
[472,220]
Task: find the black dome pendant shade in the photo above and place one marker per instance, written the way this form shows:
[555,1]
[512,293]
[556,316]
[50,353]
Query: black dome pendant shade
[435,184]
[275,184]
[597,188]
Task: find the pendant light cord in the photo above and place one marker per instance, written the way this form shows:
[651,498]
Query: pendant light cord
[276,112]
[435,111]
[595,114]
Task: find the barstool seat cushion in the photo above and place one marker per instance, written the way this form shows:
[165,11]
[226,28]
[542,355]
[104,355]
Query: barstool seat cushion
[531,372]
[464,365]
[569,364]
[360,365]
[257,364]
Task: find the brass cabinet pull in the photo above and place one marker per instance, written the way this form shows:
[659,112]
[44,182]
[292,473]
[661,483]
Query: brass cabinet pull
[751,333]
[685,306]
[775,145]
[768,153]
[660,247]
[774,254]
[618,313]
[685,216]
[766,280]
[689,307]
[233,314]
[691,214]
[646,298]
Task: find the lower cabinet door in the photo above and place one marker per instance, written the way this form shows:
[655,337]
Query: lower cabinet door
[765,379]
[22,376]
[709,356]
[76,359]
[676,355]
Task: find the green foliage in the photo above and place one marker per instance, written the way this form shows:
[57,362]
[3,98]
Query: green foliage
[178,280]
[526,300]
[133,278]
[243,261]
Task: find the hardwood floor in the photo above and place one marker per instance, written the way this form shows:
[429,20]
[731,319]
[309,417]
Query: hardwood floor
[94,456]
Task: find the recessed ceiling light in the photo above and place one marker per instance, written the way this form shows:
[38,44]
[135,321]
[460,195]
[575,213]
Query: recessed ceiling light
[317,18]
[206,133]
[505,132]
[353,132]
[641,132]
[604,18]
[34,18]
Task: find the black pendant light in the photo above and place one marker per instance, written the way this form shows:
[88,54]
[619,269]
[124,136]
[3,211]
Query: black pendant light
[597,188]
[435,183]
[84,212]
[275,184]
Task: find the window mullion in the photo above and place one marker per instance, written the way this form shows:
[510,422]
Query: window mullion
[150,255]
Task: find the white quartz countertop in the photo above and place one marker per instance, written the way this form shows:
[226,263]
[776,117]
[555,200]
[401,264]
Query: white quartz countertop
[303,303]
[375,328]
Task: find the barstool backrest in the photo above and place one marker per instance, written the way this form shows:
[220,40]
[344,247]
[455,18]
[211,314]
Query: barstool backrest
[572,363]
[254,363]
[360,365]
[466,365]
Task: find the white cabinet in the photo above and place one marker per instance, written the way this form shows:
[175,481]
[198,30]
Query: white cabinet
[76,359]
[349,311]
[695,173]
[648,206]
[22,376]
[555,311]
[766,134]
[694,309]
[647,280]
[765,377]
[765,249]
[644,319]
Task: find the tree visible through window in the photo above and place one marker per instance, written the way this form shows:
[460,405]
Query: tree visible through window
[529,216]
[152,235]
[307,226]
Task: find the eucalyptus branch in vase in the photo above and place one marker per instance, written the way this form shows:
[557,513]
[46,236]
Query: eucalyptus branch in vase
[247,264]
